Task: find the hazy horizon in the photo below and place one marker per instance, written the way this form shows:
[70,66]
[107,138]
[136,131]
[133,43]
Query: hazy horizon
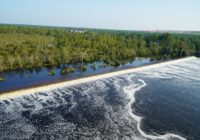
[133,15]
[54,26]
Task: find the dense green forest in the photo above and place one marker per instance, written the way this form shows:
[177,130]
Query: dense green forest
[34,46]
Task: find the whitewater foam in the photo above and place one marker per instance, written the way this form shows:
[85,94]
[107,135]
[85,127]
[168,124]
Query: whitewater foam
[186,71]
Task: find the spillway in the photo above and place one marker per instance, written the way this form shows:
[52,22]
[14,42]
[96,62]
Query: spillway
[117,105]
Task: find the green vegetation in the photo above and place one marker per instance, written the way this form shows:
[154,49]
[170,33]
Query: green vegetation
[2,79]
[28,47]
[51,73]
[83,68]
[67,70]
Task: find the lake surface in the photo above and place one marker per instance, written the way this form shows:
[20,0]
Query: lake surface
[26,78]
[161,103]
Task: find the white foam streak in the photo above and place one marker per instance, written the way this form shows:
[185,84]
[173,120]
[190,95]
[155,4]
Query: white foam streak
[131,91]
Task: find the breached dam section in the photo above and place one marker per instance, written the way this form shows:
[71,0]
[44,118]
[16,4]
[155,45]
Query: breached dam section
[155,102]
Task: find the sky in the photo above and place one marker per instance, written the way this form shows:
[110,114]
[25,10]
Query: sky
[104,14]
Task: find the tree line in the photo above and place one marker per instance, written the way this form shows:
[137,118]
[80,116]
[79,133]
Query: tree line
[28,47]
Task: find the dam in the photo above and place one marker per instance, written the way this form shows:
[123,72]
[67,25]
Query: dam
[149,102]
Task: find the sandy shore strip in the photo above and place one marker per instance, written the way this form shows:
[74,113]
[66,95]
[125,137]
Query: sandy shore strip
[22,92]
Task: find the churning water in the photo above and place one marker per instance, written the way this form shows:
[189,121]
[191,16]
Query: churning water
[161,103]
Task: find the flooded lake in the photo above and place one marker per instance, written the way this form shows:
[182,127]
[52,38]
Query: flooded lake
[37,77]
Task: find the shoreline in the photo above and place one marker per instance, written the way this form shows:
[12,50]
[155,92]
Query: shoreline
[81,80]
[58,77]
